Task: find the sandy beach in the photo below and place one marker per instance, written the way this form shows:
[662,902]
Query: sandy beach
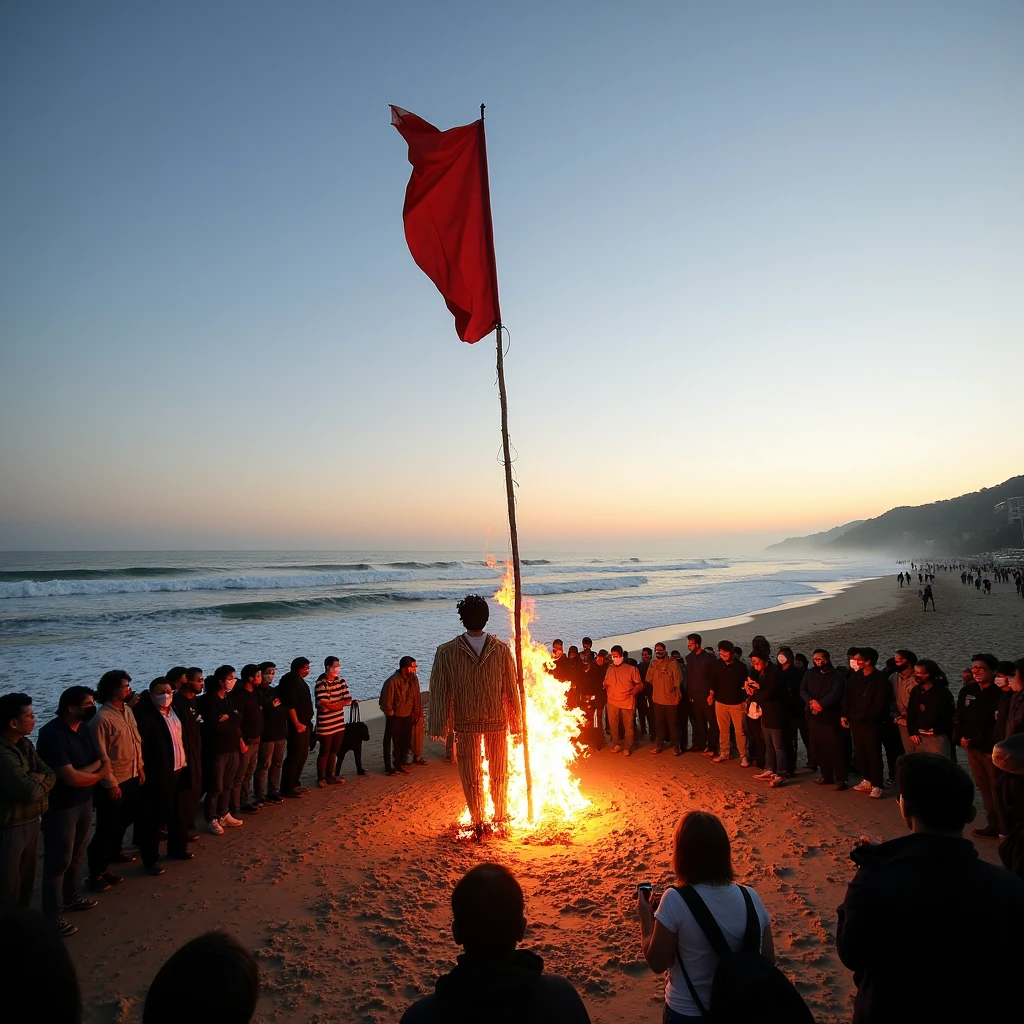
[343,896]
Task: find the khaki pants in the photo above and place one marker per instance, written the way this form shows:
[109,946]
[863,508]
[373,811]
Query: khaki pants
[726,714]
[470,760]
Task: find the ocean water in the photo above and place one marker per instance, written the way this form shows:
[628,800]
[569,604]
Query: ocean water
[66,618]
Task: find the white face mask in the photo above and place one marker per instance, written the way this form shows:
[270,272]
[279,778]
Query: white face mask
[229,685]
[783,660]
[853,664]
[616,659]
[161,700]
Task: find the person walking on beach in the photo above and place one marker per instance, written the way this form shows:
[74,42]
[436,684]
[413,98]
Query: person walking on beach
[728,697]
[331,696]
[474,693]
[926,596]
[822,691]
[665,678]
[222,748]
[293,690]
[69,748]
[700,669]
[976,708]
[117,796]
[622,685]
[400,702]
[25,783]
[864,703]
[273,739]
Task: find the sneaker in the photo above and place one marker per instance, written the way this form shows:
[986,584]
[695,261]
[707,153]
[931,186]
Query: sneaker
[402,770]
[389,771]
[709,754]
[822,782]
[250,809]
[862,787]
[321,783]
[80,903]
[274,798]
[655,750]
[679,753]
[775,781]
[989,832]
[627,752]
[122,858]
[361,771]
[839,787]
[214,828]
[617,749]
[230,820]
[419,760]
[335,781]
[155,870]
[744,763]
[764,776]
[97,883]
[293,794]
[65,928]
[876,792]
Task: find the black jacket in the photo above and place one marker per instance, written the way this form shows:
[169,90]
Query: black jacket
[770,696]
[248,705]
[1009,716]
[191,739]
[936,885]
[700,674]
[157,753]
[219,737]
[512,991]
[866,698]
[976,716]
[295,696]
[827,689]
[275,717]
[728,682]
[930,709]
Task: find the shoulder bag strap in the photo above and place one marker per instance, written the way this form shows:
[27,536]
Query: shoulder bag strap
[752,934]
[353,713]
[709,926]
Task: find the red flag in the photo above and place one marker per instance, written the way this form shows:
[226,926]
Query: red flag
[448,219]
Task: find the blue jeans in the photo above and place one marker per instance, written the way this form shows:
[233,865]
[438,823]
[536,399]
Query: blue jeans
[65,836]
[774,751]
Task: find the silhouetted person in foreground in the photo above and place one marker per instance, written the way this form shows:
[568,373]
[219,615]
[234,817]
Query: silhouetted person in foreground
[39,979]
[927,883]
[213,978]
[494,981]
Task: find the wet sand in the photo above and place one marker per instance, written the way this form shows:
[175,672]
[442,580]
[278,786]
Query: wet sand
[343,896]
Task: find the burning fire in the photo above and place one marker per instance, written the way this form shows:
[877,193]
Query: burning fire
[551,726]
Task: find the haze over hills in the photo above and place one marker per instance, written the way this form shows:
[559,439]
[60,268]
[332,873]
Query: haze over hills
[966,525]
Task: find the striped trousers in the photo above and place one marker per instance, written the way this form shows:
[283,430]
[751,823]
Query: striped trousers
[470,761]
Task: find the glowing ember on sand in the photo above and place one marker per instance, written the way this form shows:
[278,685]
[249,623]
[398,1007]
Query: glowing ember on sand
[552,728]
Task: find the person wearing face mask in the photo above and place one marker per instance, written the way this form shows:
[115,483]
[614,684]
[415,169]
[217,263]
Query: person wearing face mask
[822,691]
[728,698]
[930,710]
[865,701]
[222,742]
[68,747]
[117,796]
[190,782]
[621,685]
[665,678]
[163,750]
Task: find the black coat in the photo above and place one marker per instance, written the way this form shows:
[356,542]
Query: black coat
[191,739]
[930,709]
[936,886]
[770,696]
[157,754]
[866,698]
[976,716]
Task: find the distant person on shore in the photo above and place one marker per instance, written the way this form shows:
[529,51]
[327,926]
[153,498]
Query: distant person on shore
[622,686]
[68,747]
[493,981]
[975,721]
[474,693]
[700,669]
[897,882]
[926,596]
[267,787]
[293,690]
[222,743]
[665,679]
[400,702]
[865,701]
[822,690]
[212,978]
[900,580]
[331,696]
[116,798]
[25,784]
[728,698]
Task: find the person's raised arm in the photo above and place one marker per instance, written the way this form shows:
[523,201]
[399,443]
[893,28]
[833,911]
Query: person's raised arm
[657,942]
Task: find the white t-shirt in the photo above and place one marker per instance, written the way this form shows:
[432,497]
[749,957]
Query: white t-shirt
[476,642]
[729,909]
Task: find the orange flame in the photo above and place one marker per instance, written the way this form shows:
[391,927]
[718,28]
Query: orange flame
[552,728]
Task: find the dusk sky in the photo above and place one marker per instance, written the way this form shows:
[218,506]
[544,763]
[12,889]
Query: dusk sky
[761,263]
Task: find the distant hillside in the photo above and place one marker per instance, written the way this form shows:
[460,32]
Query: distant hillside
[814,541]
[958,526]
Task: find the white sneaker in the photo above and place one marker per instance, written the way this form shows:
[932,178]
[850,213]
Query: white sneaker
[230,820]
[214,828]
[862,787]
[876,792]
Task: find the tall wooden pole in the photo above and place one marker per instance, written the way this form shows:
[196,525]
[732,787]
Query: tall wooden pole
[509,494]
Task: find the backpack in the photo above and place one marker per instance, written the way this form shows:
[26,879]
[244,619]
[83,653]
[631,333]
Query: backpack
[746,987]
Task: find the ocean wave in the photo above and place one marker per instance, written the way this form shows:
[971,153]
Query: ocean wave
[329,567]
[75,588]
[131,572]
[422,565]
[631,567]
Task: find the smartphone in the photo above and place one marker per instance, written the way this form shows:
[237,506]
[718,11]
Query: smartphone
[645,889]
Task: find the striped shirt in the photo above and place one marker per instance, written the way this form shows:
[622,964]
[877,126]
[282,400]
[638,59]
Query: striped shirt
[328,723]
